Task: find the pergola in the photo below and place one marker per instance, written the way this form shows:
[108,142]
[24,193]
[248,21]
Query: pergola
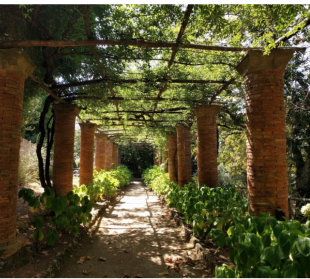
[165,104]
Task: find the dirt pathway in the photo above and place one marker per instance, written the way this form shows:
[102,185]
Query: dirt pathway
[132,238]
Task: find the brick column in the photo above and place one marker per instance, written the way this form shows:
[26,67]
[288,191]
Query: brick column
[184,154]
[87,152]
[207,145]
[115,155]
[65,115]
[266,141]
[108,155]
[172,157]
[14,69]
[101,140]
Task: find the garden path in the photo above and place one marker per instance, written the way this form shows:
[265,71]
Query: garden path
[133,238]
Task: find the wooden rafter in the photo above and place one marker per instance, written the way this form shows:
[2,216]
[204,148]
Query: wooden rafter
[81,97]
[134,42]
[221,89]
[175,49]
[94,51]
[134,81]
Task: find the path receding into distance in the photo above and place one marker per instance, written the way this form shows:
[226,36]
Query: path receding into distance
[133,238]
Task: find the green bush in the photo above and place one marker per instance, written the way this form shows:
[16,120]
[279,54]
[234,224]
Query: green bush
[261,246]
[105,184]
[156,179]
[28,166]
[68,212]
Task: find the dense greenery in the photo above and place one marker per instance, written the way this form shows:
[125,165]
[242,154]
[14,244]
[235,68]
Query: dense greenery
[137,157]
[70,211]
[105,183]
[260,246]
[151,74]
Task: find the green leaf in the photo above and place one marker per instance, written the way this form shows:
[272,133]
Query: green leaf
[232,255]
[50,192]
[70,213]
[59,204]
[220,272]
[52,236]
[284,251]
[303,246]
[62,222]
[266,240]
[26,194]
[305,263]
[262,272]
[277,229]
[38,223]
[283,238]
[38,235]
[271,254]
[70,195]
[75,230]
[259,224]
[291,270]
[231,273]
[218,236]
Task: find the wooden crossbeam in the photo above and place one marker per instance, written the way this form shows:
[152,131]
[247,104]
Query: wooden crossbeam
[134,81]
[174,50]
[94,50]
[133,42]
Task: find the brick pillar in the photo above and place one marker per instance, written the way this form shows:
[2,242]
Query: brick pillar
[207,145]
[14,69]
[115,155]
[184,154]
[172,157]
[100,151]
[65,115]
[87,152]
[266,141]
[108,155]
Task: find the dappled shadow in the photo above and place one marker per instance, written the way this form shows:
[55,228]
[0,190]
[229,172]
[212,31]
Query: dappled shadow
[135,236]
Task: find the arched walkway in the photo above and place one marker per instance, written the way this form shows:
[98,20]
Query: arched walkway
[133,238]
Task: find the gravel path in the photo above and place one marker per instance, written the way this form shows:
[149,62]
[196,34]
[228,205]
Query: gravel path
[134,238]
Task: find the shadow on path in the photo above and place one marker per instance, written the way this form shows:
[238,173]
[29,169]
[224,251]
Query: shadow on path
[135,235]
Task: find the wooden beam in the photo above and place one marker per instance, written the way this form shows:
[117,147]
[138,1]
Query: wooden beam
[134,81]
[221,89]
[175,50]
[132,119]
[46,89]
[133,42]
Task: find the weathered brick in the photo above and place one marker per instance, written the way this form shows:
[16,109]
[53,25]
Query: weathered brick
[87,152]
[12,79]
[65,115]
[184,155]
[266,141]
[207,145]
[100,151]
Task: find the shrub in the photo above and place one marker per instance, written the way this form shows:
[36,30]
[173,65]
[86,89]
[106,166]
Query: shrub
[105,184]
[68,212]
[28,166]
[261,246]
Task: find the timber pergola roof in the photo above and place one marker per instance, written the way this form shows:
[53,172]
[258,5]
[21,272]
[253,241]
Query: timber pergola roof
[155,83]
